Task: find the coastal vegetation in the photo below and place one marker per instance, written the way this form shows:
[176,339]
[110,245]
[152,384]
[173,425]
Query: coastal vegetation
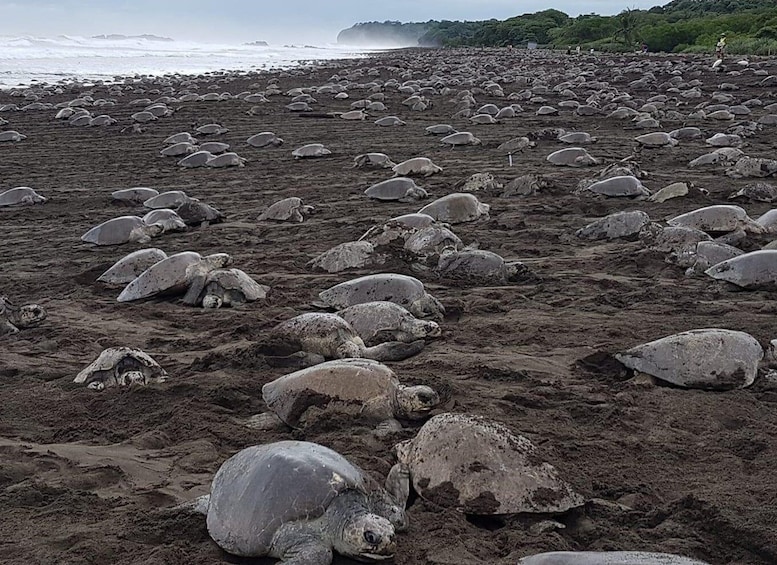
[679,26]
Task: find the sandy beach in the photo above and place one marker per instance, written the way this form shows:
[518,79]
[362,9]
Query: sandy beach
[89,477]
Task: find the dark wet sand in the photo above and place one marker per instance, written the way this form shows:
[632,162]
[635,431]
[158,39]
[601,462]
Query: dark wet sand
[695,469]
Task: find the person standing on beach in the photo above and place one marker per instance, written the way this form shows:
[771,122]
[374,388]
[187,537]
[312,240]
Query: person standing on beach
[720,48]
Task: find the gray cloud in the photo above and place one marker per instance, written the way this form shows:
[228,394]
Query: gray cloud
[276,21]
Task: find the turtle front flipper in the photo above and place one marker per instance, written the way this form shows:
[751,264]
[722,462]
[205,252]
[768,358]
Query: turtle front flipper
[7,327]
[196,286]
[296,544]
[394,350]
[298,360]
[398,484]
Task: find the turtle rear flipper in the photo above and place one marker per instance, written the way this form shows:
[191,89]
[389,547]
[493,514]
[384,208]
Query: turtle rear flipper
[394,350]
[298,360]
[197,285]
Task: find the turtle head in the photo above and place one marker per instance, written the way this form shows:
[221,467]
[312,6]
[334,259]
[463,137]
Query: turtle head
[414,402]
[30,315]
[132,378]
[427,307]
[155,229]
[366,537]
[211,301]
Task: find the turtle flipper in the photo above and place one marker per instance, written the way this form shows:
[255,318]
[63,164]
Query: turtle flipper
[298,360]
[196,286]
[394,350]
[398,484]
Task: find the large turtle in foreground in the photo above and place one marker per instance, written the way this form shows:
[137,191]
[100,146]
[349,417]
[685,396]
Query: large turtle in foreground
[364,388]
[300,502]
[479,467]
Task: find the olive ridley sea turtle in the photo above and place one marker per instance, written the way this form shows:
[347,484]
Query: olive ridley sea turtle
[121,366]
[480,467]
[300,502]
[15,318]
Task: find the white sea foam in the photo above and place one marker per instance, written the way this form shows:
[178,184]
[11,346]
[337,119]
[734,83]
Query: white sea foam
[27,59]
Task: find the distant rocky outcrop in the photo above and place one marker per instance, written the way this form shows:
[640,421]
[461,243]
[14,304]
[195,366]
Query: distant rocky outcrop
[118,36]
[258,44]
[384,34]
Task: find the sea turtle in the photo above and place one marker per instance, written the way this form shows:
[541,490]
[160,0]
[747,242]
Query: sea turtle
[211,129]
[169,199]
[264,139]
[300,502]
[440,129]
[21,195]
[757,191]
[344,256]
[673,190]
[478,182]
[718,218]
[431,241]
[381,321]
[757,269]
[312,337]
[577,137]
[128,268]
[686,133]
[175,275]
[625,185]
[195,213]
[227,287]
[607,558]
[707,254]
[377,160]
[183,137]
[402,189]
[479,266]
[215,147]
[483,119]
[124,229]
[753,167]
[724,140]
[399,289]
[388,121]
[672,239]
[136,195]
[11,135]
[456,208]
[515,145]
[614,226]
[121,366]
[179,149]
[395,228]
[143,117]
[290,209]
[416,166]
[15,318]
[196,159]
[768,220]
[524,185]
[168,219]
[712,359]
[460,138]
[479,466]
[656,139]
[310,151]
[572,157]
[363,388]
[230,159]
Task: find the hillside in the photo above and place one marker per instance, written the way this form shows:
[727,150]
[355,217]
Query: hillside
[679,26]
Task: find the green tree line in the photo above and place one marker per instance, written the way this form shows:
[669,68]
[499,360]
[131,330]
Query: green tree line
[680,26]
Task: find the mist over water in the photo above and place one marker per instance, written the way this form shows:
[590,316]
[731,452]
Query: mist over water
[26,59]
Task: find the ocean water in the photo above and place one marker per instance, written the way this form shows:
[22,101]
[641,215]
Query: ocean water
[24,60]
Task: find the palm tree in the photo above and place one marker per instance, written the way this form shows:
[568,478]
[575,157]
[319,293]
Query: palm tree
[628,30]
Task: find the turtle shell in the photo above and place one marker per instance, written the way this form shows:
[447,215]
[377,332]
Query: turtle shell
[362,384]
[399,289]
[167,275]
[481,467]
[260,488]
[235,280]
[114,360]
[128,268]
[391,189]
[169,199]
[456,208]
[114,231]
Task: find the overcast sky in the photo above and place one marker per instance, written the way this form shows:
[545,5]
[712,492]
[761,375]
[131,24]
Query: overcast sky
[276,21]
